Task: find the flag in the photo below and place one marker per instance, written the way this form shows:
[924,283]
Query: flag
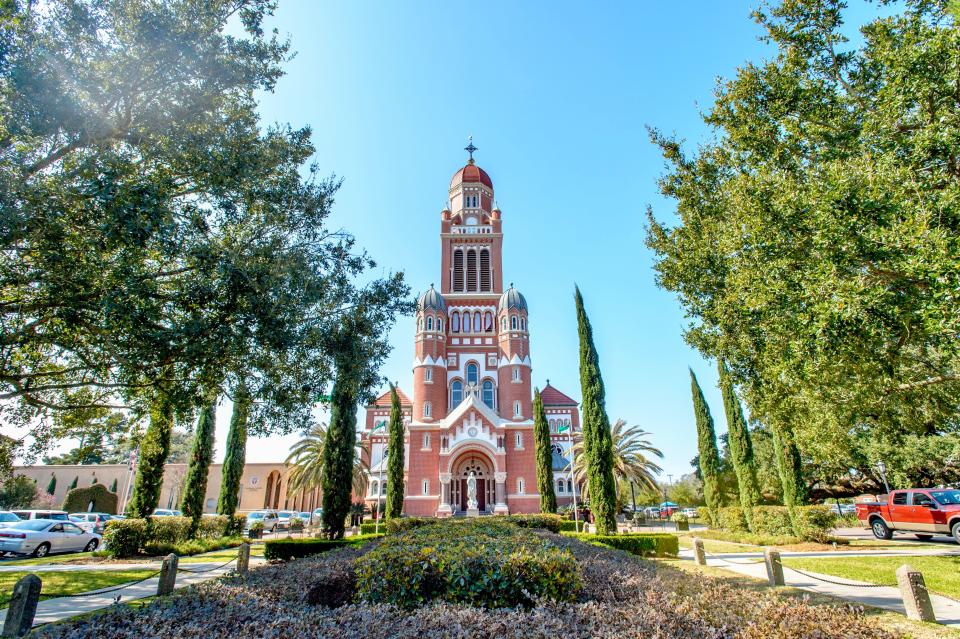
[563,429]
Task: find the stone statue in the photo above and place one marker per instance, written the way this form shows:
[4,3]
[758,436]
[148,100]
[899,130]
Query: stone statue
[472,491]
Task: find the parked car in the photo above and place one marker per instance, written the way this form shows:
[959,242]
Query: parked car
[268,518]
[690,513]
[284,517]
[922,511]
[305,517]
[317,518]
[166,512]
[7,518]
[843,509]
[40,537]
[91,522]
[59,515]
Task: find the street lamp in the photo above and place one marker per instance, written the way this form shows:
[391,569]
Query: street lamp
[882,467]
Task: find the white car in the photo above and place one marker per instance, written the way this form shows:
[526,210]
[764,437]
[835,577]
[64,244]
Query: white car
[690,512]
[59,515]
[7,518]
[40,537]
[268,518]
[166,512]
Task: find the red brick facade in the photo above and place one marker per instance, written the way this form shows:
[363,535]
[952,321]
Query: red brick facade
[471,407]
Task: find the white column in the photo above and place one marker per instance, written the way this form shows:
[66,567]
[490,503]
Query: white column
[444,508]
[501,506]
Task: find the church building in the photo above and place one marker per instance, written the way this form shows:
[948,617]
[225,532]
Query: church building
[471,406]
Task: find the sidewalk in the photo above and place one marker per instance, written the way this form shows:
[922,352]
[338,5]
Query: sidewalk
[50,610]
[946,610]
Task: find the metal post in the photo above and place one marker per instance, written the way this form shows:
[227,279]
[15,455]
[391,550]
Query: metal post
[243,559]
[698,552]
[774,567]
[916,599]
[168,575]
[22,607]
[882,467]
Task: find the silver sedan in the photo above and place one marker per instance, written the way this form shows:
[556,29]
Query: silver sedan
[40,537]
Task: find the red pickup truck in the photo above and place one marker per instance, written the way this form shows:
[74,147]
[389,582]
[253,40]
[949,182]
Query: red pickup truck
[923,511]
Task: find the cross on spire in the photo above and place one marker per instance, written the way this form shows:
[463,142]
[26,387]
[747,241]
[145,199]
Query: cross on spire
[470,148]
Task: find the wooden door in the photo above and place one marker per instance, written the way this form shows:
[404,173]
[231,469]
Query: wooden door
[463,495]
[481,494]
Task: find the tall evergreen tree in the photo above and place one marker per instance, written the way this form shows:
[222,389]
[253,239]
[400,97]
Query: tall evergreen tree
[338,450]
[113,486]
[598,446]
[154,449]
[395,455]
[52,486]
[707,446]
[789,466]
[195,484]
[544,453]
[236,455]
[741,448]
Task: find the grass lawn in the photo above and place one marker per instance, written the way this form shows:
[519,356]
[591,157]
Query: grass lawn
[50,559]
[225,554]
[889,620]
[719,546]
[942,574]
[70,582]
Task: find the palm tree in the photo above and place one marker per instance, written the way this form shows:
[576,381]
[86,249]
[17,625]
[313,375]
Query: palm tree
[306,459]
[631,460]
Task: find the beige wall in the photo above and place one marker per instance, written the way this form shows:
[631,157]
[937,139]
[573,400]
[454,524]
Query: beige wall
[257,478]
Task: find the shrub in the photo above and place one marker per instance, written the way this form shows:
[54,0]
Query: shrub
[296,524]
[78,500]
[213,527]
[125,537]
[814,523]
[643,544]
[571,526]
[371,528]
[730,518]
[168,530]
[402,524]
[549,522]
[235,526]
[287,549]
[492,564]
[772,520]
[190,546]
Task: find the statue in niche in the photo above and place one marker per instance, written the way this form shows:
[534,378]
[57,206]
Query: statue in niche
[472,491]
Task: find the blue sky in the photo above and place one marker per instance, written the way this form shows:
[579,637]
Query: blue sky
[557,97]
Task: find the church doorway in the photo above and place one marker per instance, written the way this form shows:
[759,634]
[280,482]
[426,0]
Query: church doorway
[486,486]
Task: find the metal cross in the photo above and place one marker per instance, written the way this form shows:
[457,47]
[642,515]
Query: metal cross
[470,148]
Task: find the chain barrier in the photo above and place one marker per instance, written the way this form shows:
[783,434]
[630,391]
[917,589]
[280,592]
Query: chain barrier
[840,583]
[939,594]
[226,563]
[94,593]
[731,561]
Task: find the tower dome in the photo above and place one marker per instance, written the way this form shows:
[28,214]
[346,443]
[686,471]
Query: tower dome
[512,300]
[431,300]
[471,173]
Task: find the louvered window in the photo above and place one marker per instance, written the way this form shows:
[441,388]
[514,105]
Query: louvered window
[471,271]
[485,270]
[458,270]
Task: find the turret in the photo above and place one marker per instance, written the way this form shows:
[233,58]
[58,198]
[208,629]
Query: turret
[514,366]
[430,359]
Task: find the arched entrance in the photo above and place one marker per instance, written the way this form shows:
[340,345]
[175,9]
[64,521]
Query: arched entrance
[482,467]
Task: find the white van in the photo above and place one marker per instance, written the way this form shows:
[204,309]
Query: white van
[58,515]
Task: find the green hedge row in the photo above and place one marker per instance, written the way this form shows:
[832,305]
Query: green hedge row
[486,562]
[287,549]
[553,523]
[153,535]
[568,525]
[811,523]
[643,544]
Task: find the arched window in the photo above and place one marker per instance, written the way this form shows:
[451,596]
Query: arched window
[473,373]
[471,271]
[520,486]
[523,324]
[553,425]
[419,323]
[503,324]
[569,486]
[439,324]
[427,409]
[513,322]
[476,322]
[456,393]
[516,373]
[458,270]
[430,322]
[488,393]
[488,322]
[374,486]
[455,322]
[517,409]
[560,486]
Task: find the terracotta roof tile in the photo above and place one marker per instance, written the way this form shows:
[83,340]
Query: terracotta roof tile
[552,397]
[384,400]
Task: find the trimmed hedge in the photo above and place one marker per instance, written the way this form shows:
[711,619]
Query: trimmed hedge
[489,562]
[162,535]
[404,524]
[125,537]
[287,549]
[78,499]
[813,523]
[568,525]
[643,544]
[553,523]
[371,529]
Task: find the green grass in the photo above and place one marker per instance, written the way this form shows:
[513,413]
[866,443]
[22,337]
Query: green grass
[256,550]
[941,573]
[719,546]
[70,582]
[52,559]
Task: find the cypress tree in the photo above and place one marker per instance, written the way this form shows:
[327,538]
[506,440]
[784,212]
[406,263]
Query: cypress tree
[236,454]
[789,466]
[52,486]
[597,442]
[154,448]
[195,484]
[73,484]
[741,448]
[707,446]
[395,455]
[113,486]
[338,449]
[544,453]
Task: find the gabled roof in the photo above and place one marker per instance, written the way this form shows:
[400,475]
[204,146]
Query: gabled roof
[384,400]
[552,397]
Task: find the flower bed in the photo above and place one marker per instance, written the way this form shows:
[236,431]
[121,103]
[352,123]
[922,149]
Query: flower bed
[621,596]
[493,564]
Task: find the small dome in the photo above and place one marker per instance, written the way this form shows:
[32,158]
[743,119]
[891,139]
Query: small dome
[432,301]
[512,300]
[471,173]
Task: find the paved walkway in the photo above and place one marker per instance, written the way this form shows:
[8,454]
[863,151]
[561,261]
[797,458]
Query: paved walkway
[64,607]
[946,610]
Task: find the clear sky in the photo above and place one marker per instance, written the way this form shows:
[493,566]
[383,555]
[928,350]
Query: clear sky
[557,97]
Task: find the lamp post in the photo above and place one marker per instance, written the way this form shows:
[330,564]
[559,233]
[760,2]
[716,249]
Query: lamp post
[882,467]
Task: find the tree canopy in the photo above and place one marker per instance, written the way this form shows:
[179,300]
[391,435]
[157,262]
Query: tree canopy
[817,250]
